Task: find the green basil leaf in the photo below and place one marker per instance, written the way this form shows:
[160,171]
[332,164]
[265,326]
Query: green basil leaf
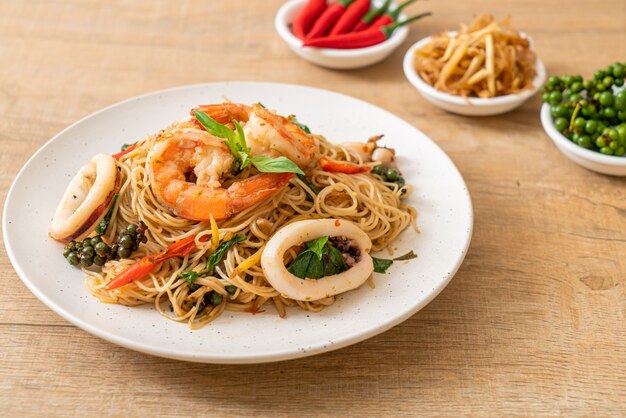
[241,138]
[319,259]
[312,186]
[381,265]
[237,144]
[307,265]
[245,160]
[190,276]
[408,256]
[275,165]
[231,138]
[102,227]
[220,252]
[301,125]
[334,262]
[317,246]
[214,127]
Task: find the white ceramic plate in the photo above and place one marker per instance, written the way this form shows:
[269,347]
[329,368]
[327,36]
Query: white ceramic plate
[443,202]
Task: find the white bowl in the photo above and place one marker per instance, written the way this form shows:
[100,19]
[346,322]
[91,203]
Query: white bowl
[591,160]
[334,58]
[469,106]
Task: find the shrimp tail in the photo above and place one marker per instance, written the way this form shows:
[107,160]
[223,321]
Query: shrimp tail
[224,113]
[253,190]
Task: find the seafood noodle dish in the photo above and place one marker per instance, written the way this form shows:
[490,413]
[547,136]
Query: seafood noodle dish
[236,208]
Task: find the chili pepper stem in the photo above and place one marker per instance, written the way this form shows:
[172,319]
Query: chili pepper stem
[376,12]
[388,30]
[371,16]
[396,13]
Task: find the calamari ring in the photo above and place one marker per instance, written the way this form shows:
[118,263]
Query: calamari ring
[300,232]
[86,199]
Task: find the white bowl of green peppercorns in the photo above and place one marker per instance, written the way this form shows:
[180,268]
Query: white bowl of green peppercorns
[586,119]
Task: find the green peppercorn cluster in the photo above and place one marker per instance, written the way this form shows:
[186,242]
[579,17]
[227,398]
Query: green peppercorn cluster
[591,113]
[389,175]
[94,251]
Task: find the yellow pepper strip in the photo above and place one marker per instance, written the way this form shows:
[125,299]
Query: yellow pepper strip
[215,234]
[251,261]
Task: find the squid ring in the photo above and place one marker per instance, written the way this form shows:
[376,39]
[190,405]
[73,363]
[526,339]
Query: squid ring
[86,199]
[300,232]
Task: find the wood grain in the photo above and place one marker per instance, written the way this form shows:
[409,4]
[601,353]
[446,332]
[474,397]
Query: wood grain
[532,324]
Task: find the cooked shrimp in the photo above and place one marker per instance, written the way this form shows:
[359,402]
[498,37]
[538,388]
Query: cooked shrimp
[225,113]
[86,199]
[300,232]
[370,151]
[274,135]
[266,132]
[180,153]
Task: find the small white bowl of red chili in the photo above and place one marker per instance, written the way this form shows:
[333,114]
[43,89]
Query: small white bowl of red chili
[342,34]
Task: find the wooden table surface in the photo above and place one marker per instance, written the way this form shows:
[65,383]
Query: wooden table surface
[534,322]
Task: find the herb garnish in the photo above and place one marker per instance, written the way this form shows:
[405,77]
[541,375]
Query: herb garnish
[221,251]
[300,125]
[408,256]
[236,142]
[312,186]
[319,259]
[191,276]
[382,264]
[102,227]
[213,260]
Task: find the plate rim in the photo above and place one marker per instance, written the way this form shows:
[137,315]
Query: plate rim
[223,358]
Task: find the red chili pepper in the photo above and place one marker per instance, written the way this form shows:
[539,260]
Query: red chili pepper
[328,18]
[351,17]
[389,18]
[339,167]
[369,37]
[381,21]
[126,151]
[370,16]
[143,267]
[306,17]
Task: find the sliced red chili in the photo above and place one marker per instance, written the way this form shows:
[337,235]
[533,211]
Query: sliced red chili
[144,266]
[342,167]
[126,151]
